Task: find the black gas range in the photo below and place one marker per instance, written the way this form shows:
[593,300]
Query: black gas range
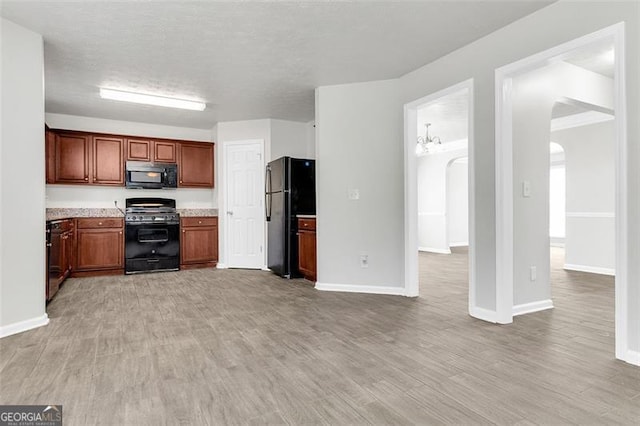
[152,235]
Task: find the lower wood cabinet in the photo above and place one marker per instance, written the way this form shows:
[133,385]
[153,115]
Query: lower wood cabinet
[198,242]
[307,248]
[99,246]
[60,255]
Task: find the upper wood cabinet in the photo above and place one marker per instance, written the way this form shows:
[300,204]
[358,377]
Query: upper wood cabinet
[50,146]
[151,150]
[139,149]
[98,159]
[71,154]
[82,158]
[195,165]
[108,160]
[164,152]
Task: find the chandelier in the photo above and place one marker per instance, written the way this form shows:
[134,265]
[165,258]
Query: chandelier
[426,143]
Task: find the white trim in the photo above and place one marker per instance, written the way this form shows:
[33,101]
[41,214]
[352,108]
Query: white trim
[19,327]
[434,250]
[578,120]
[459,244]
[633,357]
[223,224]
[528,308]
[590,269]
[504,175]
[411,284]
[483,314]
[608,215]
[369,289]
[432,214]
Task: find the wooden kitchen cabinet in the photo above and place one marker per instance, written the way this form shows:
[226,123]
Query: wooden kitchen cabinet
[71,158]
[198,242]
[307,263]
[195,165]
[99,246]
[139,149]
[86,159]
[50,163]
[61,255]
[164,152]
[157,151]
[108,160]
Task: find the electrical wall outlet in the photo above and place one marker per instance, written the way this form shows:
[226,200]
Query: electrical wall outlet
[354,194]
[364,260]
[533,273]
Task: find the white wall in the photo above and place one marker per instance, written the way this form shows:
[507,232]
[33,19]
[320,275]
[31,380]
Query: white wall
[22,208]
[359,147]
[291,138]
[103,197]
[433,207]
[534,96]
[458,203]
[590,196]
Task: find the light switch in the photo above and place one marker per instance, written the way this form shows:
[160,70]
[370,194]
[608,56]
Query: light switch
[526,189]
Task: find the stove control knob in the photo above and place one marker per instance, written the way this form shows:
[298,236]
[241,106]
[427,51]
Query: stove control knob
[153,218]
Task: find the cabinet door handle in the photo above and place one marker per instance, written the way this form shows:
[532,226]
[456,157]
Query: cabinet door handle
[183,231]
[100,223]
[86,178]
[120,232]
[180,181]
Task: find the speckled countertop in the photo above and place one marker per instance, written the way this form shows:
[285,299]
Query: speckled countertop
[65,213]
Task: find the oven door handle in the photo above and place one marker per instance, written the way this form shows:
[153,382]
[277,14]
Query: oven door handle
[163,240]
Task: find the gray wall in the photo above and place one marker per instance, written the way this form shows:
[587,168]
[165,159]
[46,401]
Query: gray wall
[359,146]
[22,218]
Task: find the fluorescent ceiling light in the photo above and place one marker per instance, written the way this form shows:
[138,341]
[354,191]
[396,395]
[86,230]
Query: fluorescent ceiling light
[141,98]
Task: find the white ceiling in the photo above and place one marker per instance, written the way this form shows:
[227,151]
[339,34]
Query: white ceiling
[246,60]
[449,117]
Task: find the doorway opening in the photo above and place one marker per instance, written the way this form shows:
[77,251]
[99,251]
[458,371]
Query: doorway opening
[439,174]
[527,93]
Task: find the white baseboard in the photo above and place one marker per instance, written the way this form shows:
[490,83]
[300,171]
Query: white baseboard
[265,268]
[222,266]
[633,357]
[460,244]
[527,308]
[19,327]
[483,314]
[370,289]
[590,269]
[434,250]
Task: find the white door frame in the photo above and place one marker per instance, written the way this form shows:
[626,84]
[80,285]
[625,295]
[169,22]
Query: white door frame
[411,283]
[222,212]
[504,176]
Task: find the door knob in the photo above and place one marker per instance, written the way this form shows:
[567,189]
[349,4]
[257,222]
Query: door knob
[229,212]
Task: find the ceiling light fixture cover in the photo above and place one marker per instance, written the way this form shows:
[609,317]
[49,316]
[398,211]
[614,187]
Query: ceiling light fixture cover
[142,98]
[427,144]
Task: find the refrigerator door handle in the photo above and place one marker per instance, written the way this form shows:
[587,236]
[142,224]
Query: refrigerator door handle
[267,206]
[267,194]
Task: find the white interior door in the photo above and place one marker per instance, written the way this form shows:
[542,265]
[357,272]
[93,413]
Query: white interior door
[244,167]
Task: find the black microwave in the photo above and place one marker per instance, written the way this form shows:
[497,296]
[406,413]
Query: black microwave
[142,175]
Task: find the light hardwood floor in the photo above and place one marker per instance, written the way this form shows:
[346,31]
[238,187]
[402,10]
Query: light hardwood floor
[245,347]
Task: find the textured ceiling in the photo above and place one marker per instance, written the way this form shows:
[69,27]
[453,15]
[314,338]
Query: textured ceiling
[246,60]
[448,116]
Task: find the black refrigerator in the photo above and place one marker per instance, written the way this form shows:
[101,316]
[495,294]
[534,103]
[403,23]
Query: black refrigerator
[290,190]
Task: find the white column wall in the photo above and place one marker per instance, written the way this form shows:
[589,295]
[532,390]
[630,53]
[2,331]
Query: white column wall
[22,188]
[590,202]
